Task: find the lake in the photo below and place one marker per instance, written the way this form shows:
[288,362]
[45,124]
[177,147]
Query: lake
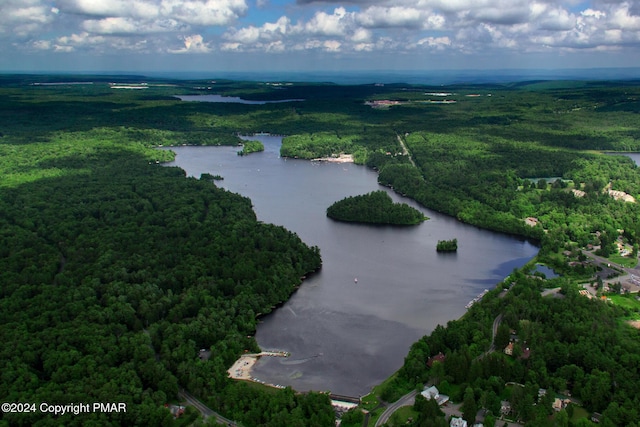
[346,337]
[634,156]
[230,99]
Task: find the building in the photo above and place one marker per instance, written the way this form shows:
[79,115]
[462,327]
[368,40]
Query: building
[505,408]
[437,358]
[508,350]
[433,393]
[457,422]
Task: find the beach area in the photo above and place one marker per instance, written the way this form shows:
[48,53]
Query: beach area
[241,369]
[342,158]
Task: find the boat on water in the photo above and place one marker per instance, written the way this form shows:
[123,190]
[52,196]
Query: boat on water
[355,280]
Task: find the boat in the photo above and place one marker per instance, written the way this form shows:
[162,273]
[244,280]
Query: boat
[355,280]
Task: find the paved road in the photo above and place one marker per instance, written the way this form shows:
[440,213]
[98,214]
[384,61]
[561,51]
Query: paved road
[635,270]
[406,400]
[492,348]
[205,410]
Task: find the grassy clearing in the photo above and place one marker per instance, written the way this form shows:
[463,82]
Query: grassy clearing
[579,413]
[623,260]
[627,301]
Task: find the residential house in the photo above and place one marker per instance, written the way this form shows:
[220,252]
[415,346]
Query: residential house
[505,408]
[437,358]
[508,350]
[457,422]
[433,393]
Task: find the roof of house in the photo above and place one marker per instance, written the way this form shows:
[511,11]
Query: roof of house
[457,422]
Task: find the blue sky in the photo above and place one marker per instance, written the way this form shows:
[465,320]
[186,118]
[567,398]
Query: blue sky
[308,35]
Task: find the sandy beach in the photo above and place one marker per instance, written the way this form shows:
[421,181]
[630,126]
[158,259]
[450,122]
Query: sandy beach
[342,158]
[241,369]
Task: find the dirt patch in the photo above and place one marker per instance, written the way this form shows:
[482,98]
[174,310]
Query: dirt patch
[635,323]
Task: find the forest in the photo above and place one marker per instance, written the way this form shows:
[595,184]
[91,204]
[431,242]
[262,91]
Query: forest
[249,147]
[374,208]
[115,270]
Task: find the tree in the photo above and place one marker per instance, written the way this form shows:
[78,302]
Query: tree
[469,406]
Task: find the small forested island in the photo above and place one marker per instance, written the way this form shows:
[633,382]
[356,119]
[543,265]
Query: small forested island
[447,245]
[249,147]
[374,208]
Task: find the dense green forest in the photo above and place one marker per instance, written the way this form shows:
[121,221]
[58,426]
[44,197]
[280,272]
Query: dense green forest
[374,208]
[115,270]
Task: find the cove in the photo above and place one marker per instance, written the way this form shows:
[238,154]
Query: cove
[346,337]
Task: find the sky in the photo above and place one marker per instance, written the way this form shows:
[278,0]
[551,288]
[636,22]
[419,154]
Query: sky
[307,35]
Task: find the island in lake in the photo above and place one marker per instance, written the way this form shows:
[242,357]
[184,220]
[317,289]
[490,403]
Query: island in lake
[447,245]
[374,208]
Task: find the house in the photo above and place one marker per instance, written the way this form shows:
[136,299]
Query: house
[508,350]
[433,393]
[437,358]
[176,410]
[505,408]
[560,404]
[457,422]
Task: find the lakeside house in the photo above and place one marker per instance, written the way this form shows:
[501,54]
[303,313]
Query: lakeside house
[433,393]
[437,358]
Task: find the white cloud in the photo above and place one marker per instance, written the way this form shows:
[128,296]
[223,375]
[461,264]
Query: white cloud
[361,35]
[207,12]
[22,18]
[330,25]
[485,27]
[397,16]
[622,18]
[192,44]
[332,45]
[131,26]
[439,43]
[194,12]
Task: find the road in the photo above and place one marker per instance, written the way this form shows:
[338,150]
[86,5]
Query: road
[635,270]
[492,348]
[409,399]
[205,410]
[406,400]
[405,150]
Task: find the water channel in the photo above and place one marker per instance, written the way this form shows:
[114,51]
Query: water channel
[345,336]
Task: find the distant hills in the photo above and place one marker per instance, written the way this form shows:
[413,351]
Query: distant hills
[348,77]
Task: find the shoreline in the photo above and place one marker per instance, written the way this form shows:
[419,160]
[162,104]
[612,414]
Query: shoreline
[342,158]
[241,368]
